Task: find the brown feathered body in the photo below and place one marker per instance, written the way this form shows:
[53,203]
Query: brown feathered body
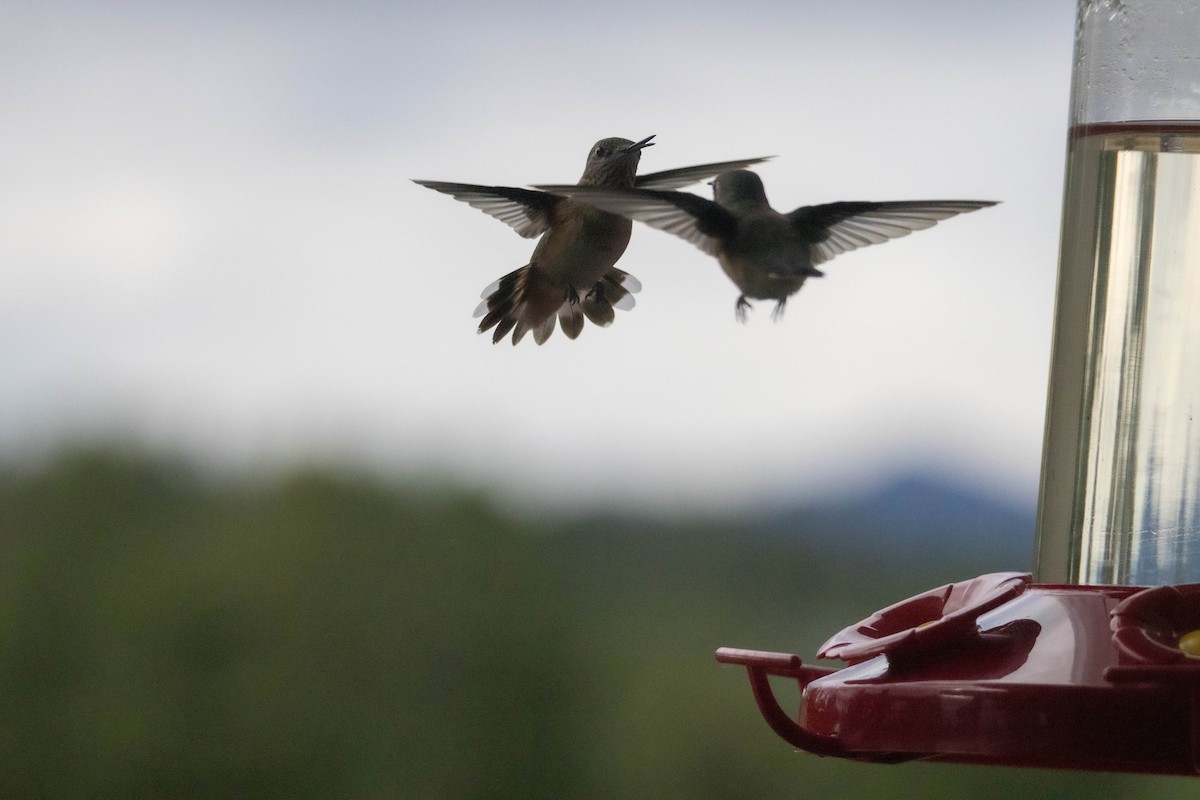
[571,276]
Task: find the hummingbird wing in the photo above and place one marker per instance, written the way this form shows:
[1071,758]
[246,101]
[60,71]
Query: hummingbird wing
[527,211]
[835,228]
[684,176]
[691,218]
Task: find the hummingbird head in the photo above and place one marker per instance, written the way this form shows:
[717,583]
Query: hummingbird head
[614,162]
[739,190]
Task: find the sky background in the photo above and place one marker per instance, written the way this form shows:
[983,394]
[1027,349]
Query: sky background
[209,241]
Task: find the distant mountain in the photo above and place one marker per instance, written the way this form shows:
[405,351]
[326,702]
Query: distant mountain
[916,517]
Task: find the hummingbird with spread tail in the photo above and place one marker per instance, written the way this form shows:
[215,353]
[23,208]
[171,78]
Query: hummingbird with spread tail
[767,254]
[571,275]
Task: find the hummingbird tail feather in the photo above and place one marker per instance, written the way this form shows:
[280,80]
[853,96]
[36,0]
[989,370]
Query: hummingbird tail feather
[542,331]
[570,317]
[525,300]
[521,301]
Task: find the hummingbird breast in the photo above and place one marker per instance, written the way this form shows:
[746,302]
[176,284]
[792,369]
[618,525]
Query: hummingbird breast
[582,245]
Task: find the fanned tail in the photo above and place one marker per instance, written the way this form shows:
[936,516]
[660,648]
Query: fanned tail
[525,300]
[521,301]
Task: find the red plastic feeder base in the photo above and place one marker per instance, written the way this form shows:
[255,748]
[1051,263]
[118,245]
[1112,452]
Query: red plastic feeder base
[998,670]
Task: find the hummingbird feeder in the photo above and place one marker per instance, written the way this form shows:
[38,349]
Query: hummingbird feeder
[1096,664]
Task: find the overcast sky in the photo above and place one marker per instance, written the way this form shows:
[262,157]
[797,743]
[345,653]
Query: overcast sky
[209,240]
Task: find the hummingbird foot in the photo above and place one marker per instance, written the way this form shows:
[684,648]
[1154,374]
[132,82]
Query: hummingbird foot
[613,291]
[742,309]
[572,296]
[777,313]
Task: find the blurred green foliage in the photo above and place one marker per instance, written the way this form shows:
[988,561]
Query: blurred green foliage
[321,634]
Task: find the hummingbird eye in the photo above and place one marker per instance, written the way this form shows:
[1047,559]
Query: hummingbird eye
[601,152]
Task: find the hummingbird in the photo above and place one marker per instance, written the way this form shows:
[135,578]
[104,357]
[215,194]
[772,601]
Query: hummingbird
[768,255]
[571,275]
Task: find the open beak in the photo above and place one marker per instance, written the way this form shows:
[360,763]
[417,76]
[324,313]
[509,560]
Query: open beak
[640,145]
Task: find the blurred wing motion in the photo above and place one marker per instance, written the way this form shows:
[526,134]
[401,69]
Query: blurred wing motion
[836,228]
[691,218]
[527,211]
[685,176]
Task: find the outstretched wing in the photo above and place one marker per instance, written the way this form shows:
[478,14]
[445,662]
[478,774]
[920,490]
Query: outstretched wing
[684,176]
[691,218]
[839,227]
[529,212]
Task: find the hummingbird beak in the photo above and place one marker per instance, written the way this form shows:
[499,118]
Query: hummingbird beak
[640,145]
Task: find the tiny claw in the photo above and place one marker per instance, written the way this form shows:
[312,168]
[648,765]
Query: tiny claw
[742,309]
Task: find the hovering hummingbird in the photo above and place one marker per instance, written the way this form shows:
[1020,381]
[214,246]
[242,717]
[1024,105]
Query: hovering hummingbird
[571,273]
[768,255]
